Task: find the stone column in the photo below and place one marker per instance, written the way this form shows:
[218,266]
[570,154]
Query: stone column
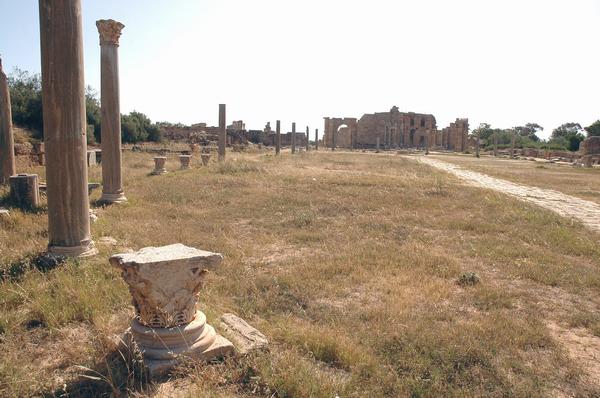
[316,139]
[427,144]
[112,180]
[477,144]
[307,139]
[293,138]
[63,101]
[278,138]
[222,132]
[377,145]
[7,145]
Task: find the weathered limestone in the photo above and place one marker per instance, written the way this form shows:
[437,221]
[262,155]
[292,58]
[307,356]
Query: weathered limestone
[293,138]
[244,337]
[159,165]
[63,102]
[307,139]
[25,191]
[39,151]
[112,180]
[165,283]
[222,132]
[185,161]
[205,156]
[7,145]
[278,138]
[316,139]
[377,145]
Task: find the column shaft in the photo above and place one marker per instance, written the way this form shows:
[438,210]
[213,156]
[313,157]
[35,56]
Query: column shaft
[278,138]
[293,138]
[63,101]
[7,144]
[222,132]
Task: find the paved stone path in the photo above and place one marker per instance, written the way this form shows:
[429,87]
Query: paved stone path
[584,211]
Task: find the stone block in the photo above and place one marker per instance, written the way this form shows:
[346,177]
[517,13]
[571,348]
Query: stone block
[245,337]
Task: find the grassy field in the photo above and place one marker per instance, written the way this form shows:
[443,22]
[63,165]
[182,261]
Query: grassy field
[355,266]
[580,182]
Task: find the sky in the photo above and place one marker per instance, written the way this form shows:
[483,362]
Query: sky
[503,62]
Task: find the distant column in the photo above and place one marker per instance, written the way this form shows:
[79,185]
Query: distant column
[377,145]
[7,145]
[477,144]
[293,138]
[427,144]
[316,139]
[63,102]
[112,180]
[222,132]
[278,138]
[307,138]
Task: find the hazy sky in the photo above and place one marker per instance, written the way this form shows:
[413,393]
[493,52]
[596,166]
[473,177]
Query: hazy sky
[505,62]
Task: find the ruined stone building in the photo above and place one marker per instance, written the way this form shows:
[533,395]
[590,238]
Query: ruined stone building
[396,129]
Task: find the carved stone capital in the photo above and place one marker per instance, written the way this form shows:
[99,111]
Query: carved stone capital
[110,31]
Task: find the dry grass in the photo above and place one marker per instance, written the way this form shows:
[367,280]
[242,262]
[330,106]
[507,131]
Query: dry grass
[580,182]
[348,262]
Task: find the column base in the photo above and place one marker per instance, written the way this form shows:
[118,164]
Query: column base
[109,198]
[164,348]
[159,172]
[73,251]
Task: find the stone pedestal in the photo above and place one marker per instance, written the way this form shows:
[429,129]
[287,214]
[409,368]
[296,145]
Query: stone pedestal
[278,138]
[205,158]
[185,161]
[63,103]
[112,180]
[165,283]
[40,153]
[159,165]
[25,191]
[222,132]
[7,145]
[587,161]
[91,158]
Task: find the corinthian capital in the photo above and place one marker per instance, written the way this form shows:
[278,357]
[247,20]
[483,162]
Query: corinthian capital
[110,31]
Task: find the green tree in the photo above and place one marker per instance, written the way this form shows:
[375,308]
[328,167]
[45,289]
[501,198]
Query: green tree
[93,114]
[529,130]
[26,100]
[593,129]
[567,135]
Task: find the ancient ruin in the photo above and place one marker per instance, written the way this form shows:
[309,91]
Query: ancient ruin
[278,138]
[590,151]
[165,284]
[185,161]
[159,165]
[222,132]
[307,140]
[293,138]
[25,191]
[395,129]
[112,181]
[65,128]
[316,139]
[7,146]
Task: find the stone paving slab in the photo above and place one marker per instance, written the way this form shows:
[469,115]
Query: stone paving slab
[588,213]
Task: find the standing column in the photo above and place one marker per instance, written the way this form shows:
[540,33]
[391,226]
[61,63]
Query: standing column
[427,144]
[316,139]
[63,102]
[222,132]
[512,146]
[112,180]
[477,144]
[307,138]
[293,138]
[7,144]
[278,138]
